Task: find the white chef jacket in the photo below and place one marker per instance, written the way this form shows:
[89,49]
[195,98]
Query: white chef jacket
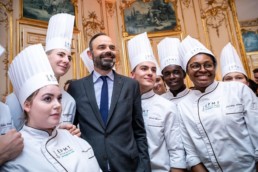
[68,109]
[175,99]
[163,135]
[5,119]
[60,152]
[219,127]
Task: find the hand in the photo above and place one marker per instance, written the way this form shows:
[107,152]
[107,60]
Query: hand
[11,145]
[71,128]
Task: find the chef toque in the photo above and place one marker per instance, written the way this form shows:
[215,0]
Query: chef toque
[60,32]
[230,61]
[140,50]
[168,52]
[158,71]
[87,61]
[29,71]
[2,50]
[189,47]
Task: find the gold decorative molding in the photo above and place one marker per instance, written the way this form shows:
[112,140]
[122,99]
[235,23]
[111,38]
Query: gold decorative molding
[239,37]
[186,3]
[6,18]
[110,7]
[92,25]
[214,14]
[249,23]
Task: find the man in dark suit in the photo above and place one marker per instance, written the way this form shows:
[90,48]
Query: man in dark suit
[118,138]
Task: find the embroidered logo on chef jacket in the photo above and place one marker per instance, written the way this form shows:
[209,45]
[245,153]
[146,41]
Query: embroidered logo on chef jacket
[67,117]
[210,105]
[5,127]
[63,152]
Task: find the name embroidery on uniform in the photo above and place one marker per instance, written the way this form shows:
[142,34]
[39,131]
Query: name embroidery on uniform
[63,152]
[211,105]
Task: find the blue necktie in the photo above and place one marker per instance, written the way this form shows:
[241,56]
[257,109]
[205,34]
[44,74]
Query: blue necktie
[104,100]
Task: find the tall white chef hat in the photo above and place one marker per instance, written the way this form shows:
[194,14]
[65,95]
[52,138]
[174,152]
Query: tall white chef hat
[189,47]
[29,71]
[60,32]
[230,61]
[158,71]
[2,50]
[140,50]
[168,52]
[87,61]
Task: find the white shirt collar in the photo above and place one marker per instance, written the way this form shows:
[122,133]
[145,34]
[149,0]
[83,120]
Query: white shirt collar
[148,95]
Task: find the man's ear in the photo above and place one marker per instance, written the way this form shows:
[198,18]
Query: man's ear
[89,54]
[27,106]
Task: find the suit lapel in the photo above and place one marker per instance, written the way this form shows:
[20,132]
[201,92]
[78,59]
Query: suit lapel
[118,84]
[89,87]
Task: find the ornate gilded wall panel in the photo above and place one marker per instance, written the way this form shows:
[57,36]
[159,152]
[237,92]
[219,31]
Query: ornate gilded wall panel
[6,25]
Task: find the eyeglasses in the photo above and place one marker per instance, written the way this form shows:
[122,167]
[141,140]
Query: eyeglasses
[197,66]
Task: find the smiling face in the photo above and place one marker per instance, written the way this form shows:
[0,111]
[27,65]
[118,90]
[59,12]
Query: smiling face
[145,74]
[159,86]
[174,77]
[201,70]
[60,61]
[44,108]
[103,53]
[235,76]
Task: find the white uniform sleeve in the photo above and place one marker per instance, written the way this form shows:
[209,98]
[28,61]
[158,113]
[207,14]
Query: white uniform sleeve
[192,157]
[251,116]
[15,110]
[173,139]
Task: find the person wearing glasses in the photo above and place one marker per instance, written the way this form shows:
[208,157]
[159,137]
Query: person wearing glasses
[218,120]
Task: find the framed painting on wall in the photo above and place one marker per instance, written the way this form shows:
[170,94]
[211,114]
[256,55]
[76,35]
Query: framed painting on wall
[42,10]
[154,17]
[249,31]
[250,39]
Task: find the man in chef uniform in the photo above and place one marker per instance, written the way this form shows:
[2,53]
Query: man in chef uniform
[159,114]
[171,68]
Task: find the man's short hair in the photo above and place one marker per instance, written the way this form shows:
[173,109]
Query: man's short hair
[93,38]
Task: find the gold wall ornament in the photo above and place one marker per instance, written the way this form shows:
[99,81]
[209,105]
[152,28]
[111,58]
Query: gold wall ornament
[249,23]
[110,7]
[6,18]
[240,38]
[92,25]
[214,14]
[186,3]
